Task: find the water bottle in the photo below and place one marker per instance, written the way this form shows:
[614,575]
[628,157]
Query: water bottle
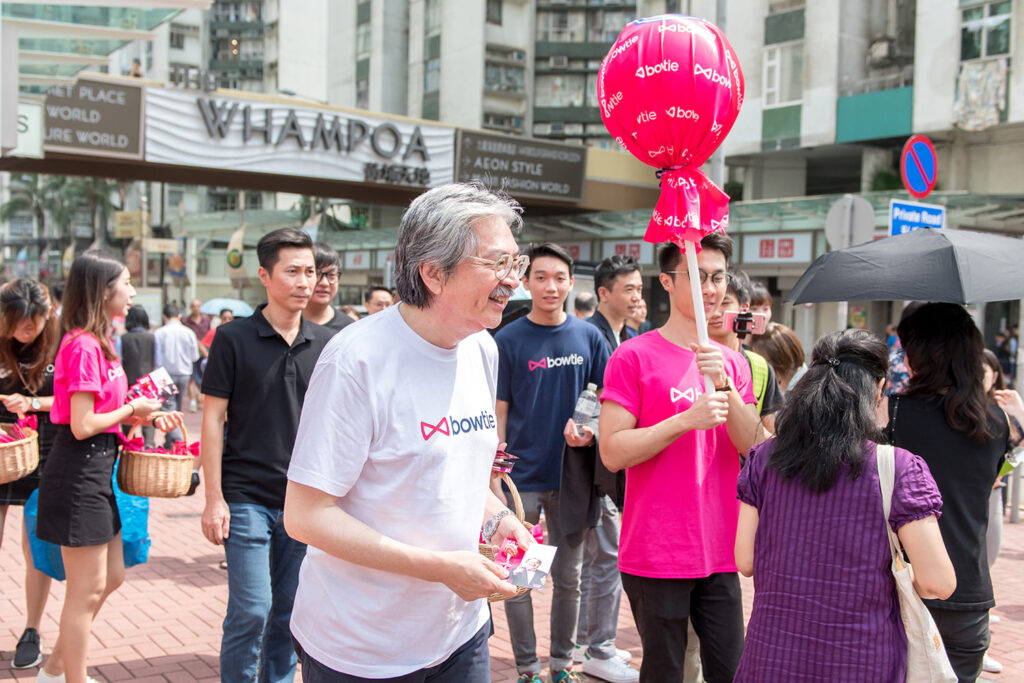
[587,409]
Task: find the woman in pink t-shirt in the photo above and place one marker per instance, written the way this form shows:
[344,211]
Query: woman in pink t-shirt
[76,499]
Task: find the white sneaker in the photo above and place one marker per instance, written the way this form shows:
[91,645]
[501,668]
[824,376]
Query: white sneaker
[614,670]
[43,677]
[990,665]
[579,653]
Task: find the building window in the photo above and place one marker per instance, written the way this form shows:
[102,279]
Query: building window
[591,90]
[432,76]
[432,17]
[20,225]
[985,30]
[504,78]
[363,36]
[783,74]
[363,94]
[561,26]
[559,90]
[177,40]
[494,12]
[605,25]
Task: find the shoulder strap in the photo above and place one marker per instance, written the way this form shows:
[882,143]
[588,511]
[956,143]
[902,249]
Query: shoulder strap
[885,457]
[759,376]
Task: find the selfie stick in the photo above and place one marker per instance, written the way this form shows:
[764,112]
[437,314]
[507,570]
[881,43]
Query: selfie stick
[690,250]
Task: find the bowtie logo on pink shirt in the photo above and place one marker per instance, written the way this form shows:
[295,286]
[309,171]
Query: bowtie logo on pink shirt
[690,394]
[114,372]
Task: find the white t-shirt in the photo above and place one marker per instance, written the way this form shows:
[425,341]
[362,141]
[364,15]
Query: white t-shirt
[403,433]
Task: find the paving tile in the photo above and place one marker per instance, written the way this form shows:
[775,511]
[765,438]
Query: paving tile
[164,624]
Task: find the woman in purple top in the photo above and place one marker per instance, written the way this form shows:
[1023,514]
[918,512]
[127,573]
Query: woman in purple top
[811,528]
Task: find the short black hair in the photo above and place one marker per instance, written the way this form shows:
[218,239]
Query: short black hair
[612,267]
[549,249]
[669,254]
[171,311]
[739,286]
[375,288]
[136,318]
[268,249]
[759,295]
[226,310]
[325,257]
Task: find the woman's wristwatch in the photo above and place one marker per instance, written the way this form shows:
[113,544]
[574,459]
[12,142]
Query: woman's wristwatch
[35,404]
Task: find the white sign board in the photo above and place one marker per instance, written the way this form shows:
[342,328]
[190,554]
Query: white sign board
[579,251]
[357,260]
[778,248]
[642,251]
[193,128]
[30,131]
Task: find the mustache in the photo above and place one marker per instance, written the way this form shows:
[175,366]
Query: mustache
[503,291]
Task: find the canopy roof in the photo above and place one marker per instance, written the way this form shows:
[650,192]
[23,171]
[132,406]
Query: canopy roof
[57,40]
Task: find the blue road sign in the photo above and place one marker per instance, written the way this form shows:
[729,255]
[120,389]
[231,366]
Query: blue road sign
[905,216]
[918,166]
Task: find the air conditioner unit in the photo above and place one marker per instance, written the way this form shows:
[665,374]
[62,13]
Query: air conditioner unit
[542,129]
[881,51]
[558,62]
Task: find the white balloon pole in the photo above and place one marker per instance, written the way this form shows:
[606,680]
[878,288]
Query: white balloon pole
[698,303]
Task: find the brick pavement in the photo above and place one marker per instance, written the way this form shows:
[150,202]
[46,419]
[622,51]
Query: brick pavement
[164,623]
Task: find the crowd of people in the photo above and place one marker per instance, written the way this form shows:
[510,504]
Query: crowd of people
[347,468]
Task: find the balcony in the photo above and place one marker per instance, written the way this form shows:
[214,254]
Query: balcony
[875,115]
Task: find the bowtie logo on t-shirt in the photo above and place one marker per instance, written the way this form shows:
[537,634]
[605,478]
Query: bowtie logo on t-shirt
[453,426]
[114,372]
[690,394]
[548,362]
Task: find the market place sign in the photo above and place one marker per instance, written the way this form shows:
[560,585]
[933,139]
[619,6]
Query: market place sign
[523,167]
[94,117]
[205,129]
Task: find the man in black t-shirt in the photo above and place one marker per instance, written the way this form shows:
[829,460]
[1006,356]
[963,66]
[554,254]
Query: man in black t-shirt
[256,378]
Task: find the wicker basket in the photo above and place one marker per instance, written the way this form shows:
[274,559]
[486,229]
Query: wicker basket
[487,550]
[155,475]
[18,458]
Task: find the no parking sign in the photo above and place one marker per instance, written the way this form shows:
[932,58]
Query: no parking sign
[919,166]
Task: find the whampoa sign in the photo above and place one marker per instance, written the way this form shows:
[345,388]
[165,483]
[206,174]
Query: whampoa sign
[230,133]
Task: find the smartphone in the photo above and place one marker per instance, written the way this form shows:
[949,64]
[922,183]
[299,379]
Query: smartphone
[746,322]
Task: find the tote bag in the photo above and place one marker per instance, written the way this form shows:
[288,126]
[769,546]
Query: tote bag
[926,656]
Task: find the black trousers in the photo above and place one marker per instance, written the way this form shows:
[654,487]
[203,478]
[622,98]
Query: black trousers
[966,637]
[662,609]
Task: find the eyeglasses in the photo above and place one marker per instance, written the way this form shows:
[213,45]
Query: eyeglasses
[505,265]
[330,275]
[719,279]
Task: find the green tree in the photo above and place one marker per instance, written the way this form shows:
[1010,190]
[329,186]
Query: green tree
[34,194]
[94,193]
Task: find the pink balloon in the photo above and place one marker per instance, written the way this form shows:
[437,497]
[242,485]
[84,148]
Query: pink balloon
[669,92]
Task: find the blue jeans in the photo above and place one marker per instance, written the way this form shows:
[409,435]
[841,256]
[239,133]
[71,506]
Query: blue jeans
[471,663]
[263,573]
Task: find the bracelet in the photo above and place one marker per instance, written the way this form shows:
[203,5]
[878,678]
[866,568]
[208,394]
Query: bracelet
[133,409]
[491,526]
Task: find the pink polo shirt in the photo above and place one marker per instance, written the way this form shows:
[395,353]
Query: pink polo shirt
[81,366]
[680,515]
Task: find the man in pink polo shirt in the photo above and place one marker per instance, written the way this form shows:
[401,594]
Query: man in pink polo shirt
[679,447]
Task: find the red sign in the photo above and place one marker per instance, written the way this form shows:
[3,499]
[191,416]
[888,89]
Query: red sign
[919,166]
[766,249]
[786,247]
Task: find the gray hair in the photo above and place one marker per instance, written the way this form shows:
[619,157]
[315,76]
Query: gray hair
[585,302]
[438,229]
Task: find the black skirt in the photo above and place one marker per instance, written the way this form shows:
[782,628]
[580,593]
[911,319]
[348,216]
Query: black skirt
[76,497]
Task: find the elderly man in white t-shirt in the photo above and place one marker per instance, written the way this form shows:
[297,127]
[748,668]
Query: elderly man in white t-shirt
[388,482]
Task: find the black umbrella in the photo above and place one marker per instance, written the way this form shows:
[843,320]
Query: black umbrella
[942,265]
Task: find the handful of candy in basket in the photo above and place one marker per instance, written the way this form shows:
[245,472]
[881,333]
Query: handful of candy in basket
[510,554]
[156,385]
[17,431]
